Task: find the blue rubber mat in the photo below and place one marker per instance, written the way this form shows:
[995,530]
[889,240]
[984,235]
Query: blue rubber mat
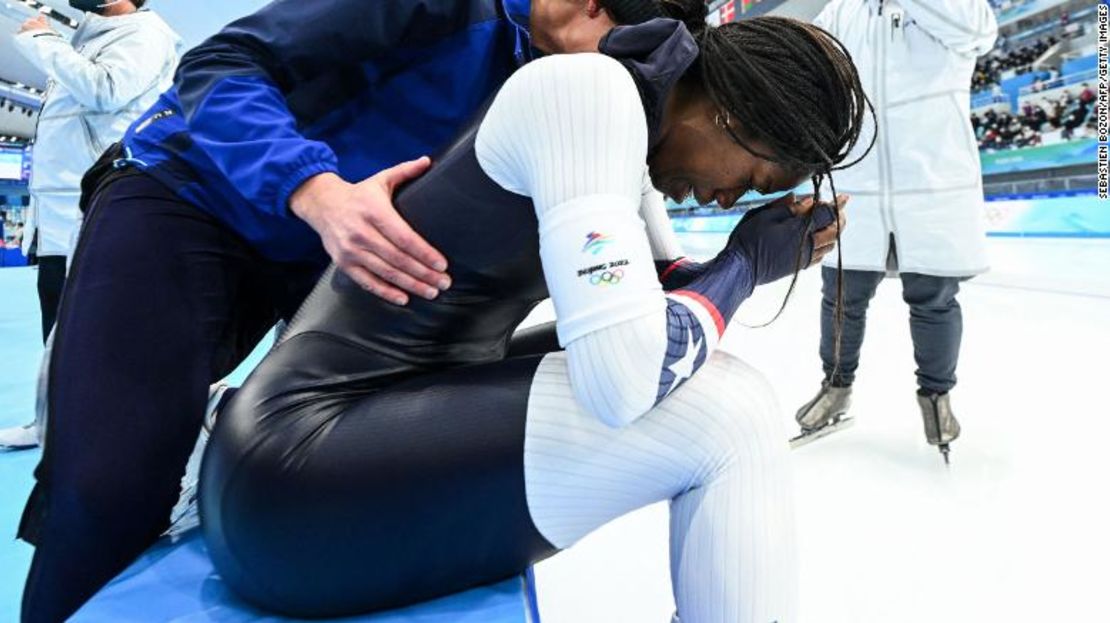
[175,582]
[20,349]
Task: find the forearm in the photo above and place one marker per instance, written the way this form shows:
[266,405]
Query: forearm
[122,71]
[628,343]
[53,55]
[967,27]
[621,371]
[247,70]
[268,159]
[678,272]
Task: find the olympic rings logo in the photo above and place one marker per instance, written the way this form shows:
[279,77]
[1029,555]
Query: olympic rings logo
[607,278]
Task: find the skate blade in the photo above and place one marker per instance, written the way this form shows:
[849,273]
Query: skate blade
[825,431]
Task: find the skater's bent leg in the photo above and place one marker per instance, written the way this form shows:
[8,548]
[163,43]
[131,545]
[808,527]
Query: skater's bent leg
[137,343]
[343,485]
[715,447]
[536,340]
[936,325]
[337,498]
[859,288]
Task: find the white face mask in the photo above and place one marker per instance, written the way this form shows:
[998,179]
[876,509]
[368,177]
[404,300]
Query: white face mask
[92,6]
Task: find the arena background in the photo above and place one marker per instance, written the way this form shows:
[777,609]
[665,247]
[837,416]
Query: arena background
[1015,531]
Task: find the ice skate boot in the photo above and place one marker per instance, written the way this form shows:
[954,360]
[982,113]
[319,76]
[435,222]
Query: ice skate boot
[184,516]
[941,426]
[20,437]
[824,415]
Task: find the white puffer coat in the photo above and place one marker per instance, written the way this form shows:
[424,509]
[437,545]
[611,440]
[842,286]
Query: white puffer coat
[110,73]
[923,183]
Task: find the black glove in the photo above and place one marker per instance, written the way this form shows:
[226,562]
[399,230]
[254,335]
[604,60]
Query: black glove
[769,236]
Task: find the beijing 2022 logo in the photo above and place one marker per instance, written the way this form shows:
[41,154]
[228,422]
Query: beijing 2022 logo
[595,242]
[607,278]
[604,273]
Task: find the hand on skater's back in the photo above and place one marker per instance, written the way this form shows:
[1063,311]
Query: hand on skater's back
[366,237]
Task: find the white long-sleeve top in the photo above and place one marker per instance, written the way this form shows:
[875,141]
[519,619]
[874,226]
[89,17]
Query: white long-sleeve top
[570,132]
[112,71]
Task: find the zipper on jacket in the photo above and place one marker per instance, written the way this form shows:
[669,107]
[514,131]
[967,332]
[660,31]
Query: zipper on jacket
[886,206]
[879,71]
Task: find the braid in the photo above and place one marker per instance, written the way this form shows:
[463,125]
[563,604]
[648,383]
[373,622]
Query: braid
[794,88]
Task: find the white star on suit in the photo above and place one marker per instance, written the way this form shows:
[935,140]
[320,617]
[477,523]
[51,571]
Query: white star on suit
[684,367]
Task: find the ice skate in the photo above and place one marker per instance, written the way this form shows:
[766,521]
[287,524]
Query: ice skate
[184,515]
[824,415]
[941,426]
[20,437]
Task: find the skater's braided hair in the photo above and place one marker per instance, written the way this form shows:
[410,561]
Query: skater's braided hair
[793,88]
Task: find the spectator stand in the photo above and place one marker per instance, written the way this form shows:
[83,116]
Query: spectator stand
[1018,15]
[1038,43]
[1054,23]
[1060,109]
[1001,72]
[990,102]
[1047,108]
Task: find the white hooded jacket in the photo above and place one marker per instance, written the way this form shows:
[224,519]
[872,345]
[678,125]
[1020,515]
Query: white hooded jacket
[922,184]
[111,72]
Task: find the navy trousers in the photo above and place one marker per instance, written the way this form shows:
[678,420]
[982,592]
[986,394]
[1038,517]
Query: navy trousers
[936,325]
[162,300]
[51,281]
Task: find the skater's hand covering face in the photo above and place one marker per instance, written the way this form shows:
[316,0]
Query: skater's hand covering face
[824,240]
[367,239]
[786,234]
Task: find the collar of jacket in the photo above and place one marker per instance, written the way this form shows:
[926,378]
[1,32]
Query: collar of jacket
[519,13]
[657,53]
[93,25]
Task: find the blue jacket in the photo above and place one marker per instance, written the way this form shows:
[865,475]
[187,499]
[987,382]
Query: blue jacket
[302,88]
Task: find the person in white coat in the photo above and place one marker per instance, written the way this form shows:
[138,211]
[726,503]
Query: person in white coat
[917,204]
[120,59]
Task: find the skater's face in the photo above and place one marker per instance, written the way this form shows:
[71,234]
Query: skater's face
[698,155]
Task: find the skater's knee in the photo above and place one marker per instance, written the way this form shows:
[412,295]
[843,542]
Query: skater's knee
[738,406]
[725,371]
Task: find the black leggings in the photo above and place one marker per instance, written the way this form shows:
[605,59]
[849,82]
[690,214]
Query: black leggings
[162,300]
[51,281]
[328,493]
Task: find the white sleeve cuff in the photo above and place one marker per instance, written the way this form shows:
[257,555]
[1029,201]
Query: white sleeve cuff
[598,265]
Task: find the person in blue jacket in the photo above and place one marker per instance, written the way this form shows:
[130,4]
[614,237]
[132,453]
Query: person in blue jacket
[277,148]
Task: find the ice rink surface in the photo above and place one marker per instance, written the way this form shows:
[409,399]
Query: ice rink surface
[1014,531]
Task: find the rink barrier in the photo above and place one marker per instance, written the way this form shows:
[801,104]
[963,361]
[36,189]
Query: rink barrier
[1082,216]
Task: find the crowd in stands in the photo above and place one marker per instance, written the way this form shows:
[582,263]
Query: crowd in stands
[1070,113]
[988,70]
